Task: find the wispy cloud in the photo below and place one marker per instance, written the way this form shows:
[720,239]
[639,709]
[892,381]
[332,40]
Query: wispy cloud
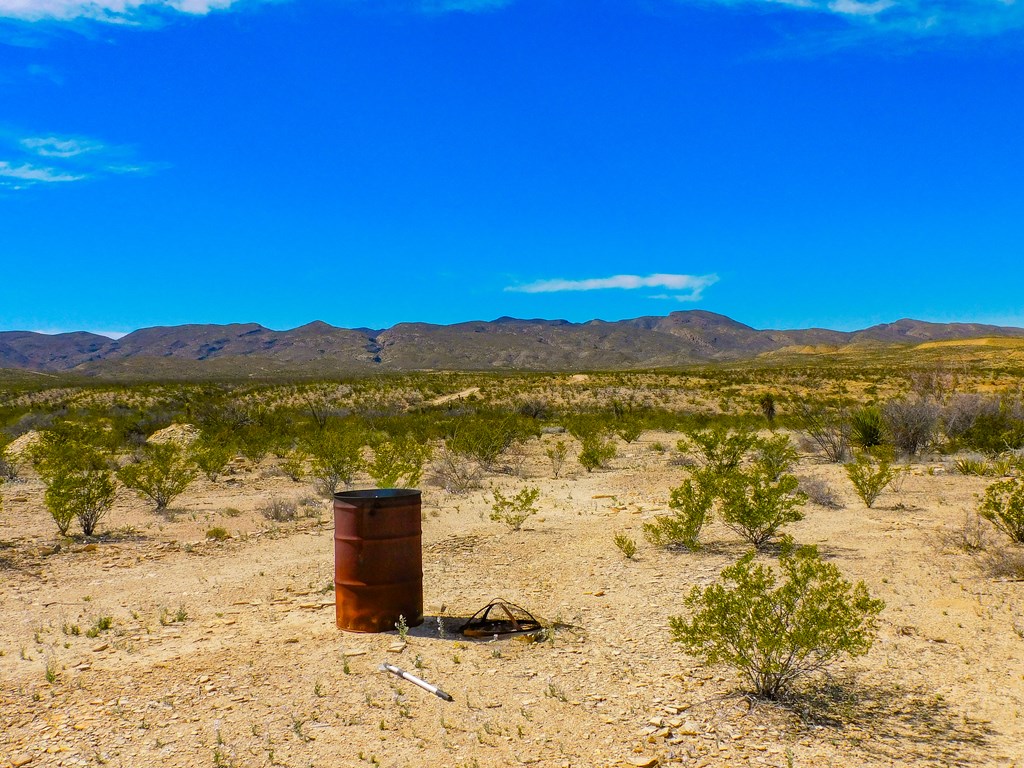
[111,11]
[918,18]
[683,287]
[31,174]
[47,159]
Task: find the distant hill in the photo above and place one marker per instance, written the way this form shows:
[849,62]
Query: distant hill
[318,349]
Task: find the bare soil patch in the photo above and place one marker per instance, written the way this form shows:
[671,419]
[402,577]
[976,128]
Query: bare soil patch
[226,653]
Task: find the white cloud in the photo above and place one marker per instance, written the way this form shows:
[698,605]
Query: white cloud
[34,173]
[917,18]
[67,158]
[53,146]
[689,287]
[114,11]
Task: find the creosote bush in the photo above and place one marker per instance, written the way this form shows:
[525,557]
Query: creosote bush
[77,475]
[870,476]
[516,510]
[625,544]
[1003,506]
[596,452]
[691,503]
[161,473]
[398,462]
[774,633]
[719,450]
[336,455]
[756,504]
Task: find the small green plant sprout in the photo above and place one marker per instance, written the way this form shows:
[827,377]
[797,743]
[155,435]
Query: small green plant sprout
[870,476]
[557,454]
[398,462]
[514,511]
[102,624]
[776,633]
[52,671]
[1003,506]
[403,629]
[691,503]
[756,505]
[218,533]
[162,473]
[625,544]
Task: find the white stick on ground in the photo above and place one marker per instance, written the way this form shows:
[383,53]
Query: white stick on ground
[415,681]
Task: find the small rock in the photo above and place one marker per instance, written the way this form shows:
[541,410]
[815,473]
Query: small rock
[642,762]
[100,647]
[19,760]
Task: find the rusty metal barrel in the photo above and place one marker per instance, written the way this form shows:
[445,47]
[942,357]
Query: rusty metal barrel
[378,559]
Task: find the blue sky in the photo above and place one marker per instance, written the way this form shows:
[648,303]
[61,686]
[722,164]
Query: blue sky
[789,164]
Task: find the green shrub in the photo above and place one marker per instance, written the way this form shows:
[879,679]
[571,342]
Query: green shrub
[336,455]
[756,504]
[211,456]
[776,454]
[161,473]
[978,467]
[294,463]
[767,405]
[628,428]
[79,483]
[867,427]
[485,438]
[625,544]
[514,511]
[692,502]
[557,454]
[774,634]
[870,477]
[398,462]
[1003,506]
[218,533]
[596,452]
[719,449]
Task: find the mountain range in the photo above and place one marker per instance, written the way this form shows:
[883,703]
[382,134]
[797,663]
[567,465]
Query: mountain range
[318,349]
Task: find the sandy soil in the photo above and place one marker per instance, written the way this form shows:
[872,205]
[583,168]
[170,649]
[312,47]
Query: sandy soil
[226,653]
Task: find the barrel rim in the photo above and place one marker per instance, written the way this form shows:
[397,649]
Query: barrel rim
[375,494]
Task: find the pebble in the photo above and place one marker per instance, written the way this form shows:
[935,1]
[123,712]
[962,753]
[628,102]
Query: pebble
[642,762]
[19,760]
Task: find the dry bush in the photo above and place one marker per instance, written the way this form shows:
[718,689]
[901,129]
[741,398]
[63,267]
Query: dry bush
[828,429]
[1003,561]
[972,535]
[820,492]
[280,510]
[454,472]
[910,423]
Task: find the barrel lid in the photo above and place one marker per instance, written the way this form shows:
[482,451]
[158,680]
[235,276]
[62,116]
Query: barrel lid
[378,496]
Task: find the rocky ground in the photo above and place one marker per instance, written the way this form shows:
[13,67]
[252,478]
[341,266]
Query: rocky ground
[226,652]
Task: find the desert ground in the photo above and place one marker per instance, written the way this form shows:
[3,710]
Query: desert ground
[226,653]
